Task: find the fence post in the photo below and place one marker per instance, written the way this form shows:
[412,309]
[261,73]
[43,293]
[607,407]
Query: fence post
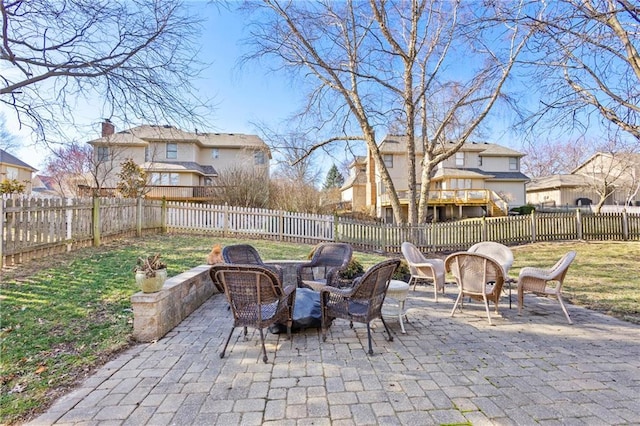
[163,216]
[335,227]
[95,216]
[69,217]
[280,225]
[139,217]
[2,233]
[625,225]
[484,228]
[579,224]
[533,226]
[225,223]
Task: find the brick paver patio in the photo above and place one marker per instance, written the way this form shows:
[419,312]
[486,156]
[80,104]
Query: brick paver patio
[530,369]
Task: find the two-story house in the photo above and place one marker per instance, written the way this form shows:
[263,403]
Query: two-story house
[481,179]
[12,168]
[619,172]
[180,165]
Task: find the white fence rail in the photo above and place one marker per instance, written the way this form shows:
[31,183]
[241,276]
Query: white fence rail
[36,227]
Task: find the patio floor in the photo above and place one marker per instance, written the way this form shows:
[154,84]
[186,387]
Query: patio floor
[530,369]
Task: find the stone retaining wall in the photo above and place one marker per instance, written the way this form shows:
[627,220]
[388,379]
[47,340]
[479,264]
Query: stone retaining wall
[155,314]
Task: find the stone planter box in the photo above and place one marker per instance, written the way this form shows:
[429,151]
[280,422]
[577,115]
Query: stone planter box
[155,314]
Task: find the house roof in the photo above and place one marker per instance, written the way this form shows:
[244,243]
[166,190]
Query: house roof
[142,135]
[474,173]
[398,144]
[180,166]
[556,181]
[629,158]
[7,158]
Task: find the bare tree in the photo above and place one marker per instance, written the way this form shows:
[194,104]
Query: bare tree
[289,151]
[375,64]
[613,173]
[586,63]
[241,187]
[293,196]
[80,170]
[556,157]
[7,140]
[134,58]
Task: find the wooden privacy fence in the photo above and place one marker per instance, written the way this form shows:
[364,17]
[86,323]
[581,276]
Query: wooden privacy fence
[38,227]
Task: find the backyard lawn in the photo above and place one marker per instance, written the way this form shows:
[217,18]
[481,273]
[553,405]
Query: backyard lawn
[63,316]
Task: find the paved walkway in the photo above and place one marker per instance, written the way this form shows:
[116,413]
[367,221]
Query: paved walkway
[533,369]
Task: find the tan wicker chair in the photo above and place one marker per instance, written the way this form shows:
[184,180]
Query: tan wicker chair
[361,303]
[478,276]
[327,261]
[257,299]
[422,268]
[499,252]
[536,280]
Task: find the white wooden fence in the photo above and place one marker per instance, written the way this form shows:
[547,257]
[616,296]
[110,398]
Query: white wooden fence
[37,227]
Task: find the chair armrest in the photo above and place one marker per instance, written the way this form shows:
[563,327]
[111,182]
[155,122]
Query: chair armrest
[334,290]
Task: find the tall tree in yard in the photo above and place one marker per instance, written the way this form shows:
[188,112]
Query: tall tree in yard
[334,178]
[585,61]
[371,65]
[135,58]
[133,179]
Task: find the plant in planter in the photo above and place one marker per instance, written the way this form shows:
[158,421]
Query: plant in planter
[151,273]
[346,276]
[402,273]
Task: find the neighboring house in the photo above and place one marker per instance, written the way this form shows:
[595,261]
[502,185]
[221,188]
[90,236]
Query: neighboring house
[583,186]
[481,179]
[354,190]
[181,165]
[12,168]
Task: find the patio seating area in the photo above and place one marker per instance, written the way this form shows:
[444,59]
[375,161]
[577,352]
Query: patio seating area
[525,369]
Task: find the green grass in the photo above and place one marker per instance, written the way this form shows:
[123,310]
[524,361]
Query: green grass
[62,316]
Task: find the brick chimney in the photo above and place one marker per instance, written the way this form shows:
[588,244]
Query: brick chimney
[108,128]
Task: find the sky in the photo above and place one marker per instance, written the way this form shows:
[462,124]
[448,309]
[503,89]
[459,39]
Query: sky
[241,96]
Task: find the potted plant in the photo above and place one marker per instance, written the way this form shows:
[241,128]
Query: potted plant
[151,273]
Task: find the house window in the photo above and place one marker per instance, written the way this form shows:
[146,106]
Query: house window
[12,173]
[147,154]
[388,160]
[103,153]
[459,159]
[513,163]
[165,178]
[258,157]
[479,161]
[215,153]
[172,151]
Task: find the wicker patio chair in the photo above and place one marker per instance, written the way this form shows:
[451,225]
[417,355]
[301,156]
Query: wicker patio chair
[499,252]
[256,298]
[478,277]
[245,254]
[502,254]
[327,261]
[422,268]
[536,280]
[361,303]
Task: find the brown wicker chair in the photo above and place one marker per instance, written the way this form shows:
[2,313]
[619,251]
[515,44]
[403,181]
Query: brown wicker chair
[326,263]
[361,303]
[245,254]
[422,268]
[256,298]
[478,276]
[535,280]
